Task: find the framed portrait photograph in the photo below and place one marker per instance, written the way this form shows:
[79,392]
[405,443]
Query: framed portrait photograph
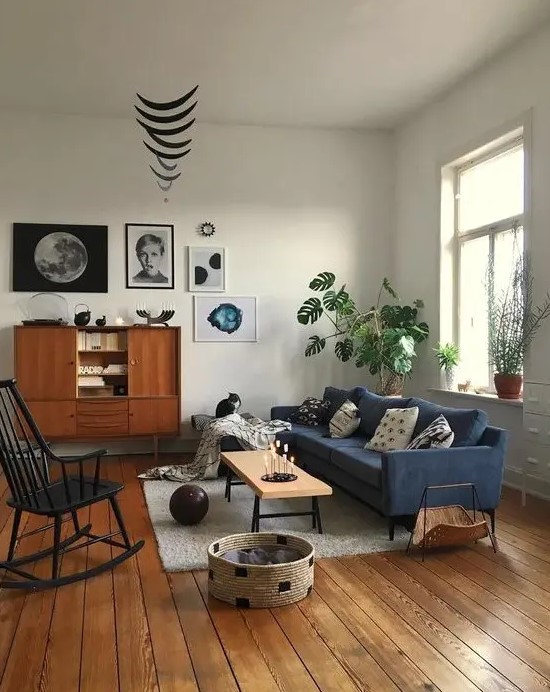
[149,255]
[226,319]
[59,258]
[206,269]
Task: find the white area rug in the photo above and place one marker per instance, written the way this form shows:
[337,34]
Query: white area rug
[350,528]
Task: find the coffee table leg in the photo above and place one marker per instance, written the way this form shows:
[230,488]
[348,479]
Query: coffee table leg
[314,515]
[317,515]
[256,515]
[228,485]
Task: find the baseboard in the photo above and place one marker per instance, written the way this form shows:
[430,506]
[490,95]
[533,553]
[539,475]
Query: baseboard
[537,487]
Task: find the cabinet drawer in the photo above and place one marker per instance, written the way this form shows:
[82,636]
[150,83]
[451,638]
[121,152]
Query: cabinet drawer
[102,418]
[537,461]
[536,398]
[537,428]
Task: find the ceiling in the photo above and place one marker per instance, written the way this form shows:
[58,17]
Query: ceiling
[320,63]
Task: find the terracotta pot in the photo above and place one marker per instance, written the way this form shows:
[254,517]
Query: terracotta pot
[508,386]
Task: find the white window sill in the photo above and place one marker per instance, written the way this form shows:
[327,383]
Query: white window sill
[493,398]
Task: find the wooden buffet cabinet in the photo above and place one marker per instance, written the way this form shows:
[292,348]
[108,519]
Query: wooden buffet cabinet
[97,382]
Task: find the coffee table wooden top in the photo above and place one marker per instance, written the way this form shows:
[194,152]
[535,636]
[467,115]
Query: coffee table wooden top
[249,467]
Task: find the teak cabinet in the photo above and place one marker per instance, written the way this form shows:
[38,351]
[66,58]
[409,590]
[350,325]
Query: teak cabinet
[97,382]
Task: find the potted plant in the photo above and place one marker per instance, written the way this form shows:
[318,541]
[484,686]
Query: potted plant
[382,338]
[514,320]
[448,356]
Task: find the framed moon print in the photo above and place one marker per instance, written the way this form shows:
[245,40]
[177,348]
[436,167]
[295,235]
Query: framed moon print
[63,258]
[206,269]
[149,255]
[225,319]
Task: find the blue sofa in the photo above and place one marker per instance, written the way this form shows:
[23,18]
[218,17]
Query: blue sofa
[393,482]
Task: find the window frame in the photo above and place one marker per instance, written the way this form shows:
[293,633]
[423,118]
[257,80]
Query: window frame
[491,230]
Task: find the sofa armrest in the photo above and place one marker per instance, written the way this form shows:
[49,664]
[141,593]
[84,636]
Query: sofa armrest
[282,412]
[405,474]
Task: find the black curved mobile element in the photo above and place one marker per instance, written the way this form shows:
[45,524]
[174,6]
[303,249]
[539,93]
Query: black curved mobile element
[166,155]
[167,166]
[168,105]
[169,145]
[167,178]
[165,133]
[162,128]
[166,118]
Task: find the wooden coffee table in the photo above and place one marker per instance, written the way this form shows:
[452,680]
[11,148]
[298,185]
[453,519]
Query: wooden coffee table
[249,467]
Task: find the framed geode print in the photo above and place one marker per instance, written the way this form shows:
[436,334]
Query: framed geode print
[62,258]
[149,255]
[206,268]
[226,319]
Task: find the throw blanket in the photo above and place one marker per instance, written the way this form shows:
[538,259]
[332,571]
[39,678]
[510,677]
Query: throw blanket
[251,433]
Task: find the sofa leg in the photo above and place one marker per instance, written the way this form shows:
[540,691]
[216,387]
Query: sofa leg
[391,528]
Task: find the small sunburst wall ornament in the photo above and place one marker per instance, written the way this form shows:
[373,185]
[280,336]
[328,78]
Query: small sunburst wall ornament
[206,229]
[163,122]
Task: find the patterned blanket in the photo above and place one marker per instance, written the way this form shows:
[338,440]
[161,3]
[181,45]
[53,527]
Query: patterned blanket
[251,433]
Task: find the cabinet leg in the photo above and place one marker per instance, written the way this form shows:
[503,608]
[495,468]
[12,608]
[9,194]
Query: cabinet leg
[156,449]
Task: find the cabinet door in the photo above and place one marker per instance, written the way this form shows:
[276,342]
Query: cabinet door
[54,419]
[154,416]
[45,362]
[153,361]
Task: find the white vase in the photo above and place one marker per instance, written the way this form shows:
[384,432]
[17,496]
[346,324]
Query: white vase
[450,378]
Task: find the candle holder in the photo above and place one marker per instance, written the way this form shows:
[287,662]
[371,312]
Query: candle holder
[161,318]
[279,477]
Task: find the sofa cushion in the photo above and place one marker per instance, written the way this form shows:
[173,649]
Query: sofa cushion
[372,407]
[467,424]
[338,396]
[362,464]
[395,430]
[322,445]
[311,411]
[438,435]
[345,421]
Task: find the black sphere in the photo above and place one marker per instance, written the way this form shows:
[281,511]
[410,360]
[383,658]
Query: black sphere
[189,504]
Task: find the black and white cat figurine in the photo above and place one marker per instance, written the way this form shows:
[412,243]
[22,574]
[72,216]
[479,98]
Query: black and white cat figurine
[228,406]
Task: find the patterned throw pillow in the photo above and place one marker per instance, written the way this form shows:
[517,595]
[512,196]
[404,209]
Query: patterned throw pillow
[437,435]
[394,430]
[311,412]
[345,421]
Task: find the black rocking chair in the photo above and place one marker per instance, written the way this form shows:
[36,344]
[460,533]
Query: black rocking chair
[25,457]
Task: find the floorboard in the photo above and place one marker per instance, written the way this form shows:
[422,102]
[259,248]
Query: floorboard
[466,619]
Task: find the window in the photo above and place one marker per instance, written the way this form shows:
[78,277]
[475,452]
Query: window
[488,228]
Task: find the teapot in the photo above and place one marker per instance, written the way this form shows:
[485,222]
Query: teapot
[81,319]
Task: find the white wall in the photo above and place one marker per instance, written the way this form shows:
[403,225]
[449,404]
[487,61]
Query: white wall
[514,84]
[286,203]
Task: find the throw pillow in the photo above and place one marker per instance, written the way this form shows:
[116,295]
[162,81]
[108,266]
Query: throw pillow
[311,412]
[438,434]
[345,421]
[394,430]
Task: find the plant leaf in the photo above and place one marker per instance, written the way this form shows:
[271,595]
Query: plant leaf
[315,345]
[310,311]
[344,349]
[335,301]
[389,288]
[322,281]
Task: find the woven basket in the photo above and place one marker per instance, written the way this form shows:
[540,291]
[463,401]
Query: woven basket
[450,525]
[260,586]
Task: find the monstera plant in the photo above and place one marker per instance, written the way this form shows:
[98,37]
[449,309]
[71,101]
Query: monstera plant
[382,338]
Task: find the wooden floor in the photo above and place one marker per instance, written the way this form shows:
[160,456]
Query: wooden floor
[464,620]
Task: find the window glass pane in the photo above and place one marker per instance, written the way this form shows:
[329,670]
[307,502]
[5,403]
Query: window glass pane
[491,191]
[473,328]
[508,247]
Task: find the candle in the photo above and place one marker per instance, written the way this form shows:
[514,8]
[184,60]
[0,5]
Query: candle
[266,467]
[285,449]
[284,462]
[278,444]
